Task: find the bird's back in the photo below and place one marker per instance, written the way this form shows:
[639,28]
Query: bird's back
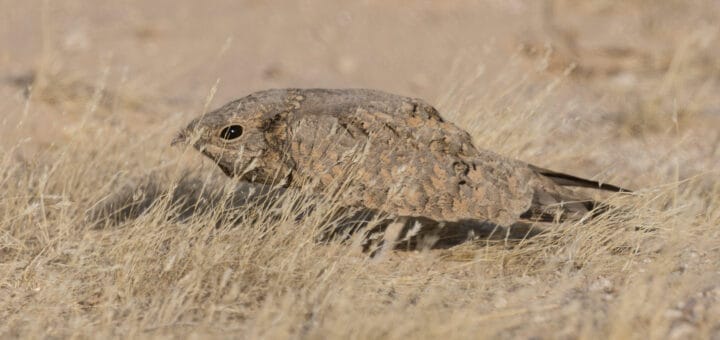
[414,163]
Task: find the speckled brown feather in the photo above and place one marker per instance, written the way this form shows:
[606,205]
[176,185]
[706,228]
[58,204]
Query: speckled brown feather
[406,159]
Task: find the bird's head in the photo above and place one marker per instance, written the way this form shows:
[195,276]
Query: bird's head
[233,136]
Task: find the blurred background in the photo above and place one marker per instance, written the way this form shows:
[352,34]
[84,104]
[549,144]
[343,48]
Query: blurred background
[607,81]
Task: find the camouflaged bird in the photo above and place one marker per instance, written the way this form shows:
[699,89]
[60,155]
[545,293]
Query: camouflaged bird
[407,160]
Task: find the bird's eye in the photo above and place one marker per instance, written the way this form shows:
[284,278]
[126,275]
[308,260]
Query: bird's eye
[231,132]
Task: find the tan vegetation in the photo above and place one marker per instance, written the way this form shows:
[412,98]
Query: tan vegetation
[92,94]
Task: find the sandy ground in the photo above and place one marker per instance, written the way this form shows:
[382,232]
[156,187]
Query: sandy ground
[618,91]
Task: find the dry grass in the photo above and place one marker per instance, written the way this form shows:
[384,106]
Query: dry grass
[195,255]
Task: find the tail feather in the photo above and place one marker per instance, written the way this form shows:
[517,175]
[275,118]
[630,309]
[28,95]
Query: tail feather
[573,181]
[550,207]
[551,202]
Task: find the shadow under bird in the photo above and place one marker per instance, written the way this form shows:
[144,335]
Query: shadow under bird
[406,160]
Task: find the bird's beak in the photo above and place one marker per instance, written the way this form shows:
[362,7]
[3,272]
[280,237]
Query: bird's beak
[181,138]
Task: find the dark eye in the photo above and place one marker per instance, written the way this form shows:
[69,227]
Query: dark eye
[231,132]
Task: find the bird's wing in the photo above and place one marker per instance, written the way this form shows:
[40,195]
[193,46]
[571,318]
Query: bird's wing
[531,193]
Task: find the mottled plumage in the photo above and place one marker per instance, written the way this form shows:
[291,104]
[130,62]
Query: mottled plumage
[406,160]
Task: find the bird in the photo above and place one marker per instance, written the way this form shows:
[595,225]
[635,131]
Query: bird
[393,154]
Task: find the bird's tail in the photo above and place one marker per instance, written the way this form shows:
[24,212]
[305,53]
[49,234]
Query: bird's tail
[558,204]
[566,180]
